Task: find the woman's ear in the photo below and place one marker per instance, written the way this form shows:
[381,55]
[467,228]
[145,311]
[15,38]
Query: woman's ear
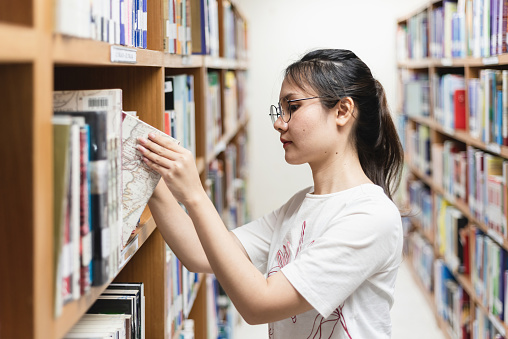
[345,111]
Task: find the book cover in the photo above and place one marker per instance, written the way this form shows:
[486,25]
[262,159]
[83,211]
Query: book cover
[139,181]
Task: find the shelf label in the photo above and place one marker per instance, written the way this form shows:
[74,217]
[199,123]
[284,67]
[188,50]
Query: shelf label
[123,54]
[497,324]
[447,62]
[129,251]
[449,130]
[494,148]
[496,237]
[186,60]
[490,60]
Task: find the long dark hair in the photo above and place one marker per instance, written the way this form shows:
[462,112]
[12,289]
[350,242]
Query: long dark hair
[338,73]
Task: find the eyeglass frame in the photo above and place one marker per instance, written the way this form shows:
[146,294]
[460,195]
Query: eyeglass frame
[280,112]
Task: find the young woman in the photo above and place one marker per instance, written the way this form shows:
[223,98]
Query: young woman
[324,264]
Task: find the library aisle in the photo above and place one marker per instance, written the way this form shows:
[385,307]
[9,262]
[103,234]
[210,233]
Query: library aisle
[411,314]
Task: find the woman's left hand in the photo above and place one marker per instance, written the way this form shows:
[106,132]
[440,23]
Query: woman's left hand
[175,164]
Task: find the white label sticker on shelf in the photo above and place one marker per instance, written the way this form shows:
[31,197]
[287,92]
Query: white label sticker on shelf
[494,148]
[495,236]
[123,54]
[490,60]
[447,62]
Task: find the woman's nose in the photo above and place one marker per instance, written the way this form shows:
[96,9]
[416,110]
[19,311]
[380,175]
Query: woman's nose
[280,125]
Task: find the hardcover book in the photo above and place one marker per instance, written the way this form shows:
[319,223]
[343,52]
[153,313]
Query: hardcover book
[139,180]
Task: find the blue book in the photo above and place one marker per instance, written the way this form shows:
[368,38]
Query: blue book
[145,23]
[122,24]
[499,118]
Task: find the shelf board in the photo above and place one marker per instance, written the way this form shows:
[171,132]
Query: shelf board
[462,136]
[19,43]
[74,310]
[223,63]
[75,51]
[484,62]
[182,61]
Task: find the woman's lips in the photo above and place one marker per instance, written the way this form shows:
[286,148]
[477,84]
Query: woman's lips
[285,143]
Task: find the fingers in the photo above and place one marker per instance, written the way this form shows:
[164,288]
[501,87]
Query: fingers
[166,142]
[154,160]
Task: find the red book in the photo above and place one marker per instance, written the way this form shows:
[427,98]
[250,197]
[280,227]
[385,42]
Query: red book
[459,104]
[167,123]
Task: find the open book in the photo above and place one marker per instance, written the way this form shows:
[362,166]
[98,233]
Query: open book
[139,180]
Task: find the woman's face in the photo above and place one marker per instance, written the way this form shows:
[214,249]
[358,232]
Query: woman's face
[312,134]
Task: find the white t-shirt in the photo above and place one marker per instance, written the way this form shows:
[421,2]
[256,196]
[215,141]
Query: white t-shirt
[341,252]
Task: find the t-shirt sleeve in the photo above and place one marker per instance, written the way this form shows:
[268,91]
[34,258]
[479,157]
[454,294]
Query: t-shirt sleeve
[356,245]
[256,237]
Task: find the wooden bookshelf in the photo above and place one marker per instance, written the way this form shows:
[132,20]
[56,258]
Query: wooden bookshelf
[34,61]
[470,68]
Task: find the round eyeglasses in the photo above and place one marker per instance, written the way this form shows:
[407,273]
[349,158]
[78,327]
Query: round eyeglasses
[284,109]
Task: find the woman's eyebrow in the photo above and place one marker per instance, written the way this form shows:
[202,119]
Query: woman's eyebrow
[290,95]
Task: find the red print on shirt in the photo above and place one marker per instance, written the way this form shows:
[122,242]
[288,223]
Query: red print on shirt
[283,258]
[323,328]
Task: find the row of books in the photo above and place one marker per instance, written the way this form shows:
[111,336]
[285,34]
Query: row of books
[456,29]
[205,27]
[449,101]
[177,18]
[122,22]
[224,113]
[418,148]
[490,275]
[422,257]
[101,188]
[463,172]
[181,290]
[422,207]
[452,237]
[234,42]
[226,186]
[487,96]
[452,302]
[484,327]
[180,110]
[221,316]
[488,103]
[119,312]
[190,26]
[87,190]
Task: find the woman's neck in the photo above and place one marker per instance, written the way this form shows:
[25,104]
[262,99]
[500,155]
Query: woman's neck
[338,174]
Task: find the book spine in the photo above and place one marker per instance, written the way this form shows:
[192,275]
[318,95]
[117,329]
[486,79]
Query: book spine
[85,227]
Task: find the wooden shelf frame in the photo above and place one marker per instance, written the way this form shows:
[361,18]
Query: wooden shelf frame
[34,61]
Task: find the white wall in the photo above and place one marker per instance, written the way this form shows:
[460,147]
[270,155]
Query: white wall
[281,31]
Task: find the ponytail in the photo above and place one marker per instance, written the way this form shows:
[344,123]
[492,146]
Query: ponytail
[336,73]
[389,144]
